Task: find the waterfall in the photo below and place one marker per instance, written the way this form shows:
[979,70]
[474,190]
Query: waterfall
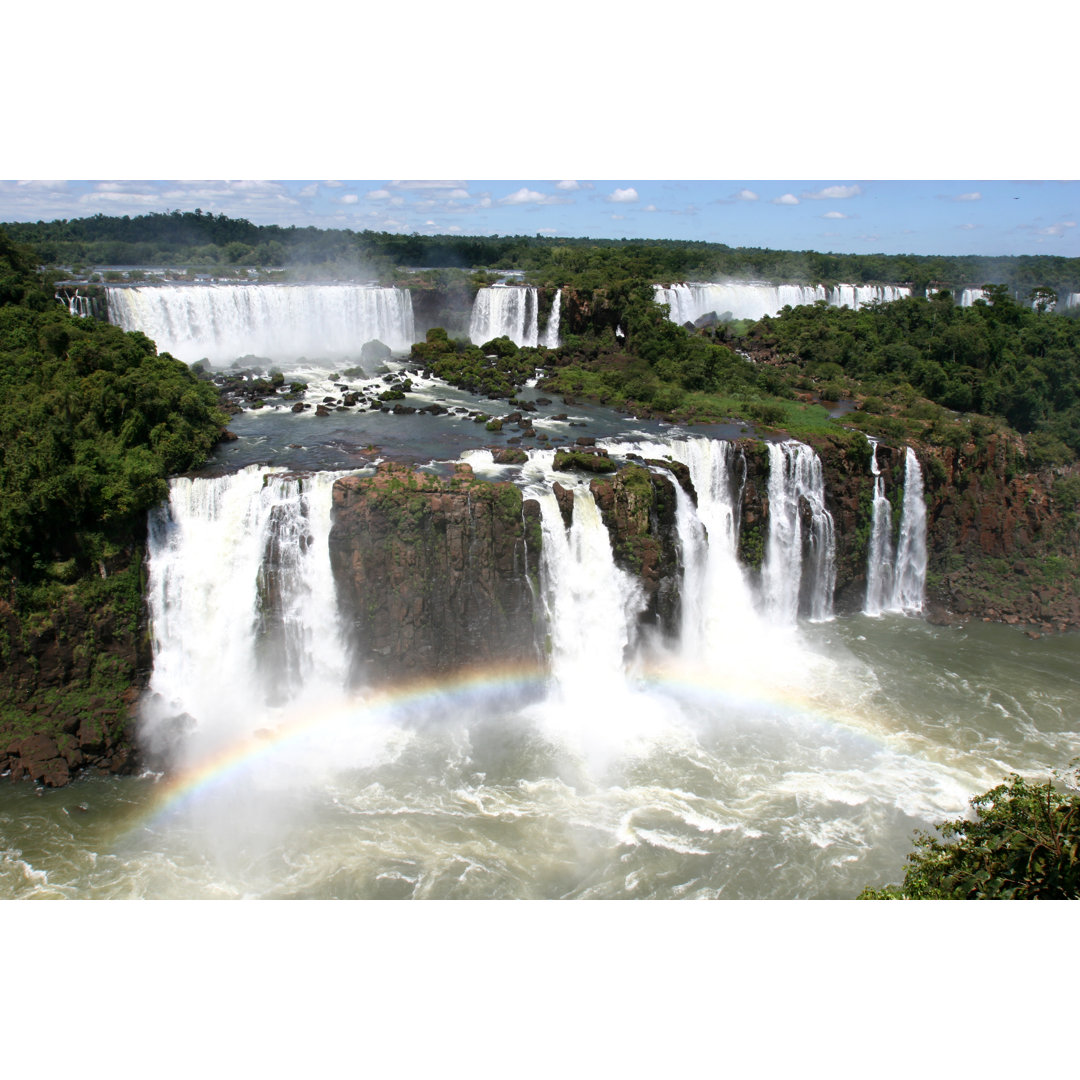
[969,296]
[281,322]
[505,311]
[755,299]
[77,304]
[796,480]
[551,332]
[911,549]
[591,604]
[241,598]
[879,563]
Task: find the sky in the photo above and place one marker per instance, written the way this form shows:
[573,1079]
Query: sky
[923,217]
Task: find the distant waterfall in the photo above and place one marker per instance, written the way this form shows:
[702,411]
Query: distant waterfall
[911,555]
[791,582]
[77,304]
[969,296]
[505,311]
[281,322]
[551,332]
[755,299]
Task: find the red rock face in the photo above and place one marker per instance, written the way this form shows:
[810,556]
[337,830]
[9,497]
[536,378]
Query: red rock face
[433,573]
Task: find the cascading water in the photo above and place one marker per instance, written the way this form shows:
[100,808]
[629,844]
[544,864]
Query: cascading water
[505,311]
[791,583]
[969,296]
[880,558]
[911,556]
[242,602]
[755,299]
[281,322]
[551,331]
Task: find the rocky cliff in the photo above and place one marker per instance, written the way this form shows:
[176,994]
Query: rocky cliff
[436,574]
[70,677]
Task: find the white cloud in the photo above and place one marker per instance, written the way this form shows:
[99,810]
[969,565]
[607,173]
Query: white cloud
[786,200]
[651,208]
[568,185]
[334,183]
[746,195]
[350,198]
[623,195]
[967,225]
[120,197]
[1057,229]
[525,197]
[835,215]
[458,193]
[310,191]
[547,230]
[969,196]
[835,191]
[485,202]
[618,217]
[378,193]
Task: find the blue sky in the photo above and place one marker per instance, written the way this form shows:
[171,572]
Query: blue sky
[951,217]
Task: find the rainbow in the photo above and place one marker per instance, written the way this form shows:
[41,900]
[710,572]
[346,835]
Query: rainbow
[475,690]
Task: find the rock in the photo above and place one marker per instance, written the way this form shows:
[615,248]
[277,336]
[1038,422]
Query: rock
[433,572]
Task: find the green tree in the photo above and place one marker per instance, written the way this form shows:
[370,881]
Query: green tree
[1023,844]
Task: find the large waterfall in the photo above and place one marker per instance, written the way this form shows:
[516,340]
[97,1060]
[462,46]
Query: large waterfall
[281,322]
[513,311]
[896,580]
[755,299]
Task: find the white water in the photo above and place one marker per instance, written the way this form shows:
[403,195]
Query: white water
[77,304]
[505,311]
[969,296]
[795,581]
[242,604]
[755,299]
[911,555]
[551,332]
[880,557]
[281,322]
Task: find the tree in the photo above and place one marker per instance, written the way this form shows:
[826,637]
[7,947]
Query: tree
[1043,299]
[1022,845]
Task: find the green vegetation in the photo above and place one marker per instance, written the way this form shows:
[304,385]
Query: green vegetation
[93,421]
[916,362]
[497,369]
[229,244]
[92,424]
[1023,844]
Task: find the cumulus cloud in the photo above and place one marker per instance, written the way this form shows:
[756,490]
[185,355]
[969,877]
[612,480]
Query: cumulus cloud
[458,193]
[350,198]
[786,200]
[834,215]
[419,185]
[651,208]
[746,195]
[835,191]
[623,195]
[310,191]
[378,193]
[525,197]
[568,185]
[334,183]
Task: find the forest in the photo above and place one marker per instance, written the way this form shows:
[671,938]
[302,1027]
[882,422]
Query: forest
[194,239]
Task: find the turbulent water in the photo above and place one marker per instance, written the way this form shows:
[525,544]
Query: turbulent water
[765,749]
[754,299]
